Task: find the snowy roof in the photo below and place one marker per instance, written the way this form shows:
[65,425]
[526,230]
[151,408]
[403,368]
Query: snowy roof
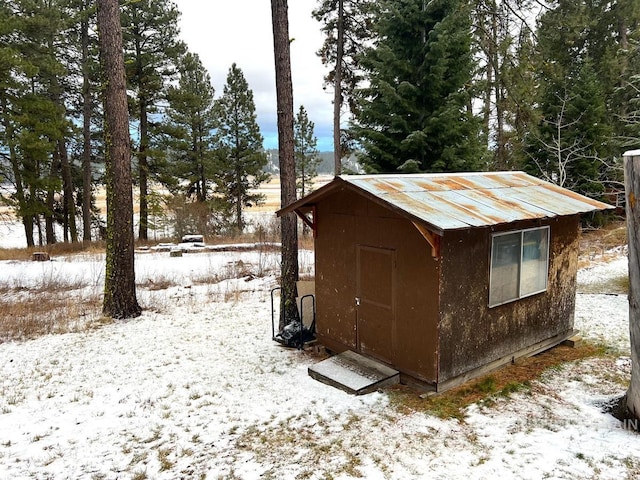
[453,201]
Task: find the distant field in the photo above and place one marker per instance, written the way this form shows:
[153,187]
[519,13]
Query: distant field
[12,235]
[271,190]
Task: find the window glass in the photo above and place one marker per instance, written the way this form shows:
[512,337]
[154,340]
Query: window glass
[519,265]
[505,264]
[535,250]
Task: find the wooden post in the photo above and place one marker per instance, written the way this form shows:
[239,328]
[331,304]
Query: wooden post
[632,189]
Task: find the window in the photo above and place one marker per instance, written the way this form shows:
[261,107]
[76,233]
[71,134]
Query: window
[519,265]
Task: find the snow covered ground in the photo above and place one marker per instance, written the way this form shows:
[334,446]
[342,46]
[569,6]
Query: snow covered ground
[196,388]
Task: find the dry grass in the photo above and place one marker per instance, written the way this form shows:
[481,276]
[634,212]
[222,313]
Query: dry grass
[52,304]
[514,378]
[159,282]
[53,250]
[598,242]
[32,315]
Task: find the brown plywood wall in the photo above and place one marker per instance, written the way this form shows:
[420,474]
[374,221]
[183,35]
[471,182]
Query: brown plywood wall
[472,334]
[347,223]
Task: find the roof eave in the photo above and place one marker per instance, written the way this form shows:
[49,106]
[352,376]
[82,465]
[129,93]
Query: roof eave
[312,197]
[340,183]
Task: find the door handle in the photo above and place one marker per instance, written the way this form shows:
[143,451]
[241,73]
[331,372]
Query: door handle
[357,301]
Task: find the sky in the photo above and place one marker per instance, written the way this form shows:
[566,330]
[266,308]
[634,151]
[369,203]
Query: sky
[239,31]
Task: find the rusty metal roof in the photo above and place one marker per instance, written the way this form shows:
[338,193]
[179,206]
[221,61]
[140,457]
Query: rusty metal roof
[451,201]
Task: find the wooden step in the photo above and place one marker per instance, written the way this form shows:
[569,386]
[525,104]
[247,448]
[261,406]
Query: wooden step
[354,373]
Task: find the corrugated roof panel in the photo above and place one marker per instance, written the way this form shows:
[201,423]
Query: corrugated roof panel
[427,207]
[510,209]
[380,185]
[511,179]
[589,203]
[557,202]
[451,201]
[375,186]
[470,210]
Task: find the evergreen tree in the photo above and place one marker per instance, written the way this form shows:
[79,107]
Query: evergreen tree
[306,152]
[238,143]
[88,107]
[12,69]
[33,98]
[521,111]
[288,223]
[120,299]
[347,27]
[502,35]
[187,131]
[572,141]
[416,113]
[629,133]
[152,49]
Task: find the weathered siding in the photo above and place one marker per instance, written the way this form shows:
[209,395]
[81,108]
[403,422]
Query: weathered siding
[345,221]
[471,333]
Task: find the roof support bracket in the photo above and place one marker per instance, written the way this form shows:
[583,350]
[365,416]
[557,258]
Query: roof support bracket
[309,221]
[432,239]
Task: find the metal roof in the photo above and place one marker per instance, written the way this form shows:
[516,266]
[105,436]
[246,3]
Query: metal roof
[452,201]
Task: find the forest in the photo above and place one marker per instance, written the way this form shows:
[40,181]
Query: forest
[548,87]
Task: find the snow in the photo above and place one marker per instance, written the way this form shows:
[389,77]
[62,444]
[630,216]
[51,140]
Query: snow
[196,388]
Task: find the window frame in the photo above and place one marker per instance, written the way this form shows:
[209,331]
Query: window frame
[520,295]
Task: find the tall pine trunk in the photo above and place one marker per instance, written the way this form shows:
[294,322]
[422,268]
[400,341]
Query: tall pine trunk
[288,222]
[49,221]
[143,171]
[86,130]
[337,92]
[120,288]
[239,222]
[632,187]
[69,206]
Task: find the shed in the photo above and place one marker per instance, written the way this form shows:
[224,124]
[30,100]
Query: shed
[444,276]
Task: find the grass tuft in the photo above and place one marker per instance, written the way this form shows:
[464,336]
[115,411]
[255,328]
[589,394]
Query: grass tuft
[163,458]
[504,382]
[33,315]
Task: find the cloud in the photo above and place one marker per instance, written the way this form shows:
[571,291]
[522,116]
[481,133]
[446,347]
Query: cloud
[222,33]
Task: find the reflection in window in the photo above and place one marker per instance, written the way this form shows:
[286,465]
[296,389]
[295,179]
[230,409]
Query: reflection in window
[519,265]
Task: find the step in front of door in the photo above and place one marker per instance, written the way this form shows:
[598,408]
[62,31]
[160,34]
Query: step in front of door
[354,373]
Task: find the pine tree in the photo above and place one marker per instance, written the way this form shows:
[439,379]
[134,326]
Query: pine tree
[572,141]
[13,68]
[238,144]
[288,223]
[88,65]
[347,27]
[573,138]
[502,36]
[183,150]
[306,152]
[152,49]
[120,281]
[417,113]
[34,110]
[187,130]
